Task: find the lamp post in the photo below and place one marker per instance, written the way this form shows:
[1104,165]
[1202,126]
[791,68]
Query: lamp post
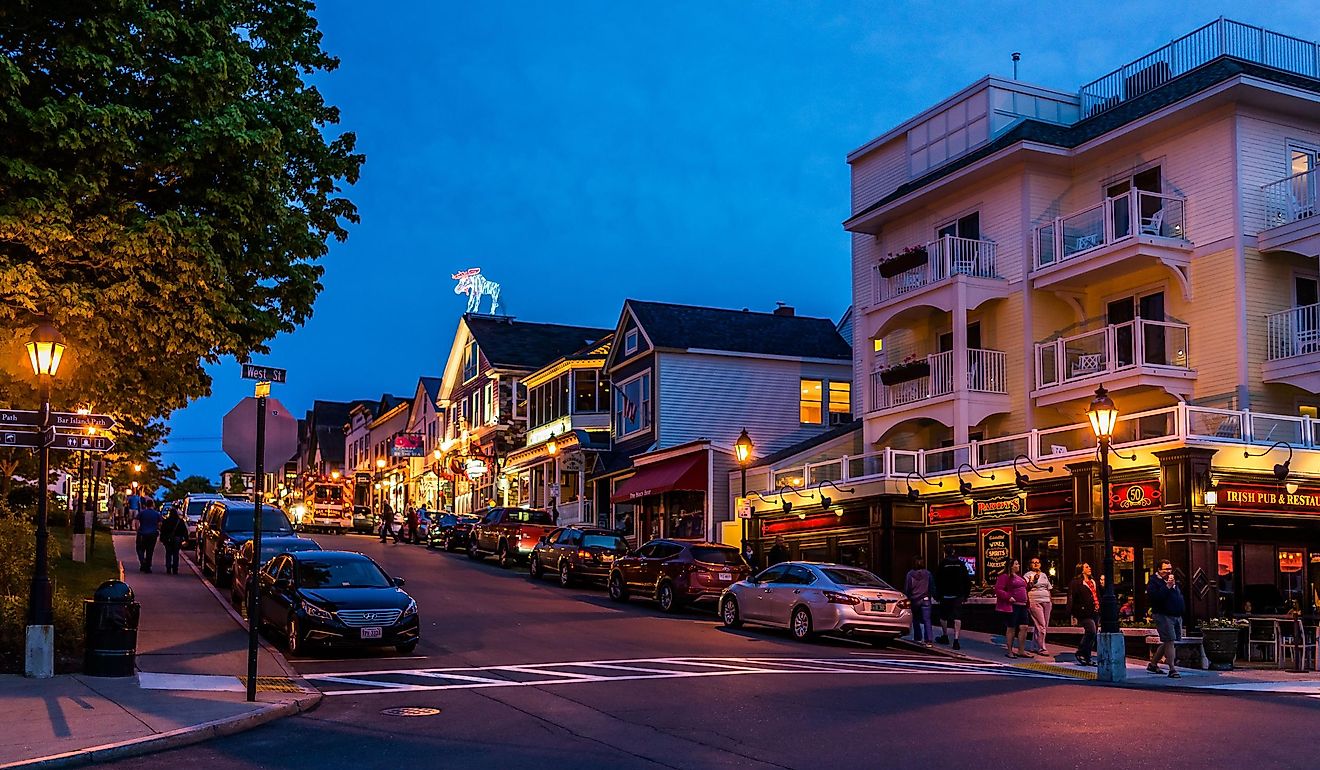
[45,351]
[742,452]
[1113,658]
[552,449]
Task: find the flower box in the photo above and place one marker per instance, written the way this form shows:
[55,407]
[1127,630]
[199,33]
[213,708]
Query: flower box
[911,370]
[905,260]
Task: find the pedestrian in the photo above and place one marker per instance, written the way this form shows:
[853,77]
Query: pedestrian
[955,585]
[134,504]
[1011,604]
[778,552]
[1083,604]
[411,518]
[173,531]
[1167,605]
[387,523]
[148,529]
[919,585]
[1040,602]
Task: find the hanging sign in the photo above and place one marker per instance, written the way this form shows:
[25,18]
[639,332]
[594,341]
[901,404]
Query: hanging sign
[996,550]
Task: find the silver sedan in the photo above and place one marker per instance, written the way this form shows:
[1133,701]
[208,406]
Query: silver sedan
[810,598]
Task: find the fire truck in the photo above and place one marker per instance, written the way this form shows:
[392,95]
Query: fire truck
[327,505]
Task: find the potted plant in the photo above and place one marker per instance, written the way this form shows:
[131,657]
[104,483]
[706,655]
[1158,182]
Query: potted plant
[1219,637]
[903,261]
[911,368]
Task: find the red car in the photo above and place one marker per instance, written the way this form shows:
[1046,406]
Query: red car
[676,573]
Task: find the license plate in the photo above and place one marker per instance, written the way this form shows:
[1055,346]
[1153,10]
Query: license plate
[371,633]
[879,606]
[726,576]
[607,557]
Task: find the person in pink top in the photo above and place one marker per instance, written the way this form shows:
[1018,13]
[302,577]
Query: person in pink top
[1011,604]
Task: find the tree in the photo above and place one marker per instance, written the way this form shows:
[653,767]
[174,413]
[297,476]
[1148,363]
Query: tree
[167,183]
[189,485]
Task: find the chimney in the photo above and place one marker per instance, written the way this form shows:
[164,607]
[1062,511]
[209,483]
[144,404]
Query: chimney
[784,310]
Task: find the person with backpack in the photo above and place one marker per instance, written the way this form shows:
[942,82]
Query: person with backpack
[955,585]
[173,531]
[919,585]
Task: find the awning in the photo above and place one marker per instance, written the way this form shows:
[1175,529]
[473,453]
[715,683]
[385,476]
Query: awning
[685,473]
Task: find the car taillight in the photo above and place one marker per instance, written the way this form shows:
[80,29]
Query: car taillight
[834,597]
[584,553]
[904,604]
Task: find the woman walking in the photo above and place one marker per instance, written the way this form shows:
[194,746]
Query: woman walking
[1083,604]
[920,589]
[1011,604]
[1039,602]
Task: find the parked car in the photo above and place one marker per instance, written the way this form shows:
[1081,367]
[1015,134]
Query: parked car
[363,519]
[270,548]
[336,598]
[811,598]
[225,527]
[677,573]
[577,552]
[191,507]
[508,533]
[450,531]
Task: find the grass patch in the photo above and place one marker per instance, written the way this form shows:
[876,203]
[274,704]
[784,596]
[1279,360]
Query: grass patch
[78,580]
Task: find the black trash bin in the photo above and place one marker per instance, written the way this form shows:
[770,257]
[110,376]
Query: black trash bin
[112,623]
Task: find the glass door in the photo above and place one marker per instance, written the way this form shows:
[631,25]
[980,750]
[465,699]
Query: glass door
[1303,188]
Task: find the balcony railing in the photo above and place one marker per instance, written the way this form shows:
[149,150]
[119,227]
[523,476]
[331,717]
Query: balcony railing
[945,256]
[985,374]
[1111,349]
[1293,332]
[1193,425]
[1222,37]
[1136,212]
[1291,199]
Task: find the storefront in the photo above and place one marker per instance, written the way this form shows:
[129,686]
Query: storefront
[844,534]
[1268,551]
[667,496]
[988,533]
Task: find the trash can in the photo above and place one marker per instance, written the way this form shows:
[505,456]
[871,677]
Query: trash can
[112,623]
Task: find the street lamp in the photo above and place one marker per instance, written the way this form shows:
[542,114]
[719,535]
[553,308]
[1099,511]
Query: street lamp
[45,350]
[552,449]
[742,452]
[1104,415]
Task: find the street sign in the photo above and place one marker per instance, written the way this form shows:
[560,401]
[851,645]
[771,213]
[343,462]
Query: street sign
[19,418]
[75,420]
[239,435]
[10,439]
[264,373]
[743,507]
[82,443]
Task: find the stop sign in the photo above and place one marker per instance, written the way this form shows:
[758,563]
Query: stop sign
[239,435]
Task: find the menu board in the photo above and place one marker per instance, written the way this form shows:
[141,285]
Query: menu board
[996,551]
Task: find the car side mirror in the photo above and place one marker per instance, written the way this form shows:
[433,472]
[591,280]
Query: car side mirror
[399,582]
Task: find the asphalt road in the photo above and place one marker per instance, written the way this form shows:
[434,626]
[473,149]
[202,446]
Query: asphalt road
[527,674]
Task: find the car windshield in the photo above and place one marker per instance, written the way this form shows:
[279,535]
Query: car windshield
[272,520]
[613,542]
[716,555]
[854,577]
[448,520]
[329,494]
[195,508]
[524,516]
[270,552]
[358,573]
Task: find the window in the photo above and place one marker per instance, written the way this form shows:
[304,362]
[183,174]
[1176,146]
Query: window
[772,575]
[809,407]
[587,395]
[568,486]
[630,342]
[471,357]
[488,403]
[878,345]
[963,227]
[840,402]
[632,405]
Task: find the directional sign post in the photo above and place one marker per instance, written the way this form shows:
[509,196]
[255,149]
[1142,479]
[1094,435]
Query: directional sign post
[80,443]
[11,439]
[74,420]
[19,418]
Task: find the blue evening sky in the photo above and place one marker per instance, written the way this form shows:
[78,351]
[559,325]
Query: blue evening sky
[582,153]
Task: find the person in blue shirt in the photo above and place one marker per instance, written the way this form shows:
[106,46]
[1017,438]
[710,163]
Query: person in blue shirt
[1167,606]
[148,530]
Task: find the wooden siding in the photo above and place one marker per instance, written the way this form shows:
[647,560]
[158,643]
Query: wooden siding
[879,173]
[1263,145]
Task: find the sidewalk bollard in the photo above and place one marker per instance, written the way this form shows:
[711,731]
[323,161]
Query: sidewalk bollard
[112,623]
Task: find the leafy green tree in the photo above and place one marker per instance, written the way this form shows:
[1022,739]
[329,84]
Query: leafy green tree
[189,485]
[169,176]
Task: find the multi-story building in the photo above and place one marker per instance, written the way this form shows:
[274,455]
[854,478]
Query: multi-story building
[1154,232]
[426,424]
[378,475]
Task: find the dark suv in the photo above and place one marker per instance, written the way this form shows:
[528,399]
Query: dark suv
[450,531]
[225,527]
[577,552]
[676,572]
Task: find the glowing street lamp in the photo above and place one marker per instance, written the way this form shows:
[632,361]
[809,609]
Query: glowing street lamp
[742,452]
[45,349]
[1104,416]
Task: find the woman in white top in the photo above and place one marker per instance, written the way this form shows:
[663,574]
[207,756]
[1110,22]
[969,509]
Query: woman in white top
[1039,603]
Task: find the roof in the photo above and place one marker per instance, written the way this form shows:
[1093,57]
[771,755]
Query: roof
[510,344]
[808,444]
[432,387]
[327,420]
[687,327]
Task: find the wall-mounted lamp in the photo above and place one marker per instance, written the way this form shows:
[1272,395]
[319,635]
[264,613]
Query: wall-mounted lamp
[965,487]
[1023,481]
[1282,469]
[912,493]
[825,500]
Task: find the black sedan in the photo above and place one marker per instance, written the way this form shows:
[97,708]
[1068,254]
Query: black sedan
[271,546]
[450,531]
[338,599]
[577,552]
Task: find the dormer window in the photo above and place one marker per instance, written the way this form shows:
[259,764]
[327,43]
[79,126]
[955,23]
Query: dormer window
[630,342]
[471,359]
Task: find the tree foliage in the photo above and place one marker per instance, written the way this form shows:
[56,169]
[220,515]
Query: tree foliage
[189,485]
[168,180]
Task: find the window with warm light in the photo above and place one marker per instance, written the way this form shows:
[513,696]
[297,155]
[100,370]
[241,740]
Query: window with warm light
[471,360]
[810,403]
[840,402]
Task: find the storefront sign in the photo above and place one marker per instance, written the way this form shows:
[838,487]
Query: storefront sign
[858,518]
[1267,498]
[1050,502]
[1145,496]
[362,478]
[996,550]
[942,514]
[408,445]
[998,507]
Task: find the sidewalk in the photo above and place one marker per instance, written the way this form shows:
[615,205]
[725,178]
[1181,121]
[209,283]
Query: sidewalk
[192,652]
[1061,661]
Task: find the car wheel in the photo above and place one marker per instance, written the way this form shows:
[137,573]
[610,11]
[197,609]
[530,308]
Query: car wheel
[406,648]
[565,575]
[473,553]
[729,613]
[293,641]
[801,624]
[618,591]
[430,544]
[665,597]
[502,556]
[534,567]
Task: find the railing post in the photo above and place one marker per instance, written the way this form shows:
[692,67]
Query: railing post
[845,473]
[888,454]
[1033,446]
[1246,427]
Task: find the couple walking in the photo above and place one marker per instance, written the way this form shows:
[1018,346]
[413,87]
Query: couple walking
[171,530]
[1166,603]
[1024,603]
[951,583]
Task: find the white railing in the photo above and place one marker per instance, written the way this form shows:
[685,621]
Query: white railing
[985,374]
[1291,198]
[1222,37]
[1112,349]
[1134,213]
[945,256]
[1189,424]
[1293,332]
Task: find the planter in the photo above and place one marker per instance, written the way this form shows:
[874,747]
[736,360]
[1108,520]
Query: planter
[1221,645]
[904,372]
[903,262]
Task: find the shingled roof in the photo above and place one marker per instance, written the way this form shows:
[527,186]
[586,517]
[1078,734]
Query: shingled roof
[685,327]
[327,420]
[510,344]
[432,386]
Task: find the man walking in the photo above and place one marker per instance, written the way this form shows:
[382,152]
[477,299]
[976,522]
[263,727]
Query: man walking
[955,585]
[1167,605]
[148,520]
[387,523]
[173,531]
[919,585]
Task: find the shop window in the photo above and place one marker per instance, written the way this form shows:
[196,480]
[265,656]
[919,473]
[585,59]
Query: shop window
[625,518]
[568,486]
[1292,581]
[632,406]
[814,552]
[687,515]
[840,402]
[1227,592]
[855,554]
[809,406]
[1046,548]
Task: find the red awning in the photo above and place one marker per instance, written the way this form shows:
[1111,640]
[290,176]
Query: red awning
[687,473]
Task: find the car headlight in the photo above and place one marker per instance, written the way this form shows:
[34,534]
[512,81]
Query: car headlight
[316,612]
[410,610]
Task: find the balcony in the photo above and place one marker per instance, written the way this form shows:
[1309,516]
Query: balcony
[1292,354]
[1122,233]
[925,389]
[1134,354]
[929,280]
[1290,215]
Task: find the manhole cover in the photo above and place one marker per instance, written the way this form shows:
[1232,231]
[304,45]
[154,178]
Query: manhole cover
[410,711]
